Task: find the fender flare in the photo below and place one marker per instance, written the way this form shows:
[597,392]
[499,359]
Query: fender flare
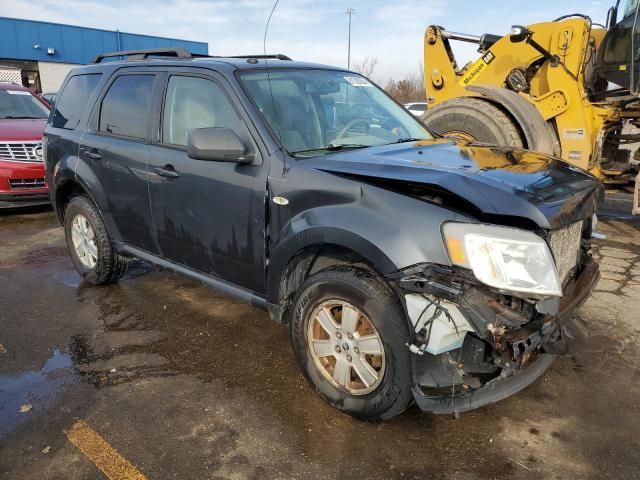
[74,170]
[62,175]
[538,134]
[320,236]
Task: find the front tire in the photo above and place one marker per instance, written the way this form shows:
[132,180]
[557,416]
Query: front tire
[473,119]
[89,244]
[348,332]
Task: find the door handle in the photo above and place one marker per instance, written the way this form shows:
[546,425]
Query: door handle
[93,154]
[167,172]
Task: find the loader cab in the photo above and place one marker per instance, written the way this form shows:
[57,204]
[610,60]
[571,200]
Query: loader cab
[619,53]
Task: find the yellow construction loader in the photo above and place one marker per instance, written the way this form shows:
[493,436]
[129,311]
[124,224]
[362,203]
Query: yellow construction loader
[567,87]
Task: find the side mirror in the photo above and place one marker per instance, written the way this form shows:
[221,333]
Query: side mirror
[518,33]
[217,144]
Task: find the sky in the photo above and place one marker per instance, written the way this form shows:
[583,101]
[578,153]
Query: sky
[316,31]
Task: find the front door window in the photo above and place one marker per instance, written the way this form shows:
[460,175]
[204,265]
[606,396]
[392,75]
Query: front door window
[193,102]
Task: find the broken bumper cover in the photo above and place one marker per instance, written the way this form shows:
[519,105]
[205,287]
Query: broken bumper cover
[511,380]
[497,390]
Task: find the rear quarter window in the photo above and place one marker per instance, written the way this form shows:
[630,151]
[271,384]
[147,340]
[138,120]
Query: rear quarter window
[73,99]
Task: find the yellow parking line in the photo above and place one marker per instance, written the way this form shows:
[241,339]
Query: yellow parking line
[103,455]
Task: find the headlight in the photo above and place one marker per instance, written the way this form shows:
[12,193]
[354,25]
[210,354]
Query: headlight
[45,141]
[504,258]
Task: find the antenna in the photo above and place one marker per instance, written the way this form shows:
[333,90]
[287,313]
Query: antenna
[275,110]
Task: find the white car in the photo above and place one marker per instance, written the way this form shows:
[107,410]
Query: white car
[416,108]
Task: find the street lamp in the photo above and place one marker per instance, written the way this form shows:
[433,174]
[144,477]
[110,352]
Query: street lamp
[350,11]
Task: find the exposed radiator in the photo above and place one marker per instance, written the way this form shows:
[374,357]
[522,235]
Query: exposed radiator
[565,245]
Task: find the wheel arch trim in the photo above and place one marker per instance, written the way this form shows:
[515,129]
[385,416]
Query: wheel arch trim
[313,240]
[85,177]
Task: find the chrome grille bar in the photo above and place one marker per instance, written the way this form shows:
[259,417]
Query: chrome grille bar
[20,183]
[21,152]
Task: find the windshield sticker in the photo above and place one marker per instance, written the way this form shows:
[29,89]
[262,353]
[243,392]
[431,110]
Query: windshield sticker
[358,81]
[17,92]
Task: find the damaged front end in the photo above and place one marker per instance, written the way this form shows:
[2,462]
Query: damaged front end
[475,344]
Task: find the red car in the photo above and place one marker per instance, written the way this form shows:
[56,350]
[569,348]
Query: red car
[23,117]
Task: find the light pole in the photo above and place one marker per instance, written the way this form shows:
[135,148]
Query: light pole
[350,11]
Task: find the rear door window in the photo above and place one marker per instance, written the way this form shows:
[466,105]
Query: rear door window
[126,107]
[73,100]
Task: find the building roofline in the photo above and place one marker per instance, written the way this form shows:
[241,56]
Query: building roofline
[100,29]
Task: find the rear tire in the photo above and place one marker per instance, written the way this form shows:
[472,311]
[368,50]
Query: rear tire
[388,393]
[103,265]
[473,119]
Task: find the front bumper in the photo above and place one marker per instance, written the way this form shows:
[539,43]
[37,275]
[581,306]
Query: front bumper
[444,384]
[492,392]
[27,195]
[24,199]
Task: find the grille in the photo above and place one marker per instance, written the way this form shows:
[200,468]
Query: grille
[21,152]
[565,245]
[17,184]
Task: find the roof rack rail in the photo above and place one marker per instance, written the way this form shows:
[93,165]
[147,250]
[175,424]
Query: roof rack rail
[142,54]
[277,56]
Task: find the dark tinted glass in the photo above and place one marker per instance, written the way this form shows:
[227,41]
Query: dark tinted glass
[73,99]
[125,107]
[618,47]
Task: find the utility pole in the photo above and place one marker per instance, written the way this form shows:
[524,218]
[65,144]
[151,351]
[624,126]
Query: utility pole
[350,11]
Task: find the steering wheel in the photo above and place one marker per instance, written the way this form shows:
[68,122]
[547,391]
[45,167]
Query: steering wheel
[351,123]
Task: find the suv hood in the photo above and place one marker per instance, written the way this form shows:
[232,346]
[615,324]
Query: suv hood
[25,129]
[495,180]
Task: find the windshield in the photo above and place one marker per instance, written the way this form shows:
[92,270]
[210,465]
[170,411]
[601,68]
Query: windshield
[21,104]
[630,8]
[315,112]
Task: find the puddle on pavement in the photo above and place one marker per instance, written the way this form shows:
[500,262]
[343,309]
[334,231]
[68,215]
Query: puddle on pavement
[37,388]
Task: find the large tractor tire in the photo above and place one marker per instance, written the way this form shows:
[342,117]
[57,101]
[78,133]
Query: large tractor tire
[473,119]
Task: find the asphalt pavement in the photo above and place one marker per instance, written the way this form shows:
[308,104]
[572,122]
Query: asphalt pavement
[162,377]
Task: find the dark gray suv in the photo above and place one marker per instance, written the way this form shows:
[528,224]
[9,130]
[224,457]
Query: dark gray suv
[410,268]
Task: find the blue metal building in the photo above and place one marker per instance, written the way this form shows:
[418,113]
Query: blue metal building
[39,54]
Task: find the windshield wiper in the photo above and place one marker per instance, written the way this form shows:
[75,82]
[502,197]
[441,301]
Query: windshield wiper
[341,146]
[331,148]
[21,117]
[409,139]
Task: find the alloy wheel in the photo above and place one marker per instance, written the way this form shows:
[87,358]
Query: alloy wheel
[84,241]
[346,347]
